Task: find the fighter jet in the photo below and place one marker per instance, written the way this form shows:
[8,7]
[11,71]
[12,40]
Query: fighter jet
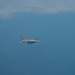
[29,41]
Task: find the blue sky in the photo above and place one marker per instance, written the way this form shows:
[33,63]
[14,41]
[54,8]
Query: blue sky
[52,22]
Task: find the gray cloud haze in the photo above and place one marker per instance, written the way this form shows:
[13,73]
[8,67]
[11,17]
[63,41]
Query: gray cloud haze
[8,7]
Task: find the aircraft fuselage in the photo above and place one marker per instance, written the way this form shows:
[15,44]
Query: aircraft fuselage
[30,41]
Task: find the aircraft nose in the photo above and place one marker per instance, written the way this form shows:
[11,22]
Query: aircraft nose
[38,40]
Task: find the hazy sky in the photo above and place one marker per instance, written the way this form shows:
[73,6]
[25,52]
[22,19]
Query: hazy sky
[50,21]
[8,7]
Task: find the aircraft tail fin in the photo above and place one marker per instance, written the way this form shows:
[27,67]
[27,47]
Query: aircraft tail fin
[21,38]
